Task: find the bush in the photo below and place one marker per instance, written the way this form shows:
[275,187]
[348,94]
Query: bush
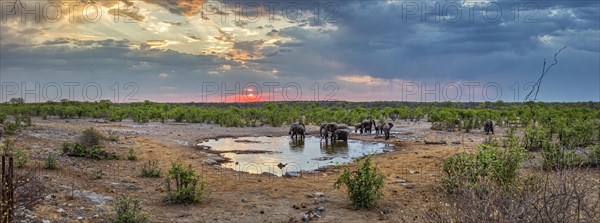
[188,186]
[10,128]
[21,158]
[2,117]
[594,156]
[91,138]
[555,157]
[365,184]
[492,163]
[129,210]
[150,169]
[131,155]
[92,152]
[51,162]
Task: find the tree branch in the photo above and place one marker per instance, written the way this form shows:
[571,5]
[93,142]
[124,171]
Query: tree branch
[536,86]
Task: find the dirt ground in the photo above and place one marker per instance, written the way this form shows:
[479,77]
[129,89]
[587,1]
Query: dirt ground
[83,190]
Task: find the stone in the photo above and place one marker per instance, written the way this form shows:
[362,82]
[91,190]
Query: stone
[292,174]
[399,181]
[46,221]
[408,185]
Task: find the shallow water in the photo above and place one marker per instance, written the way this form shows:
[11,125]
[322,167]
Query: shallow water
[263,154]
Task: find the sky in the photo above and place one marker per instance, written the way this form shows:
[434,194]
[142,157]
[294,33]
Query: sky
[248,51]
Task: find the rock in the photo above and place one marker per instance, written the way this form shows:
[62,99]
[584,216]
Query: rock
[262,212]
[456,143]
[310,195]
[46,221]
[319,194]
[399,181]
[292,174]
[244,200]
[295,207]
[312,214]
[408,185]
[269,174]
[60,210]
[79,218]
[413,172]
[210,162]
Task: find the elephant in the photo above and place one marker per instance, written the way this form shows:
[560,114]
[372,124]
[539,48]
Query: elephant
[367,125]
[488,127]
[378,128]
[341,134]
[386,130]
[323,130]
[394,117]
[324,133]
[297,129]
[358,127]
[334,126]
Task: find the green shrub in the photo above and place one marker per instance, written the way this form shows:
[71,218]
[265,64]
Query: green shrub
[555,157]
[535,138]
[90,138]
[10,128]
[2,117]
[594,155]
[129,210]
[365,184]
[21,158]
[131,155]
[188,187]
[150,169]
[92,152]
[27,120]
[51,162]
[498,165]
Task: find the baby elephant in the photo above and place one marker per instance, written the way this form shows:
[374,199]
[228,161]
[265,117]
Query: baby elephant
[358,127]
[379,128]
[488,127]
[297,129]
[386,129]
[323,130]
[341,134]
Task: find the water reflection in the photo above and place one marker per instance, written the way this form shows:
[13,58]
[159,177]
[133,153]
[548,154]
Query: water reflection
[277,155]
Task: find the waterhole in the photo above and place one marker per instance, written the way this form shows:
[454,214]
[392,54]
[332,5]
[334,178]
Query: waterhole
[281,155]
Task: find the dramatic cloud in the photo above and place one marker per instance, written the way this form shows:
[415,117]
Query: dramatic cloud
[371,50]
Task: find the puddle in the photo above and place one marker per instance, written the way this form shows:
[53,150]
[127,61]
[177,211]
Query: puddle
[264,154]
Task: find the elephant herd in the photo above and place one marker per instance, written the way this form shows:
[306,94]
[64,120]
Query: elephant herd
[334,131]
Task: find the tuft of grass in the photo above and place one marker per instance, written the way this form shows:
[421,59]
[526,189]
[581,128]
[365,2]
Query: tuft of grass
[131,155]
[150,169]
[51,162]
[21,158]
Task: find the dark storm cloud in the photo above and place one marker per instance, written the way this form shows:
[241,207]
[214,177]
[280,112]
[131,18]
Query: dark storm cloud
[376,38]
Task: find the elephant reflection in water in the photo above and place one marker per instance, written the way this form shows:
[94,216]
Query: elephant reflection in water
[296,144]
[334,147]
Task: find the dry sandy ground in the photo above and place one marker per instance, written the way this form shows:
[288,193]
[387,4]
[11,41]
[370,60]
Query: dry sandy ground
[76,195]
